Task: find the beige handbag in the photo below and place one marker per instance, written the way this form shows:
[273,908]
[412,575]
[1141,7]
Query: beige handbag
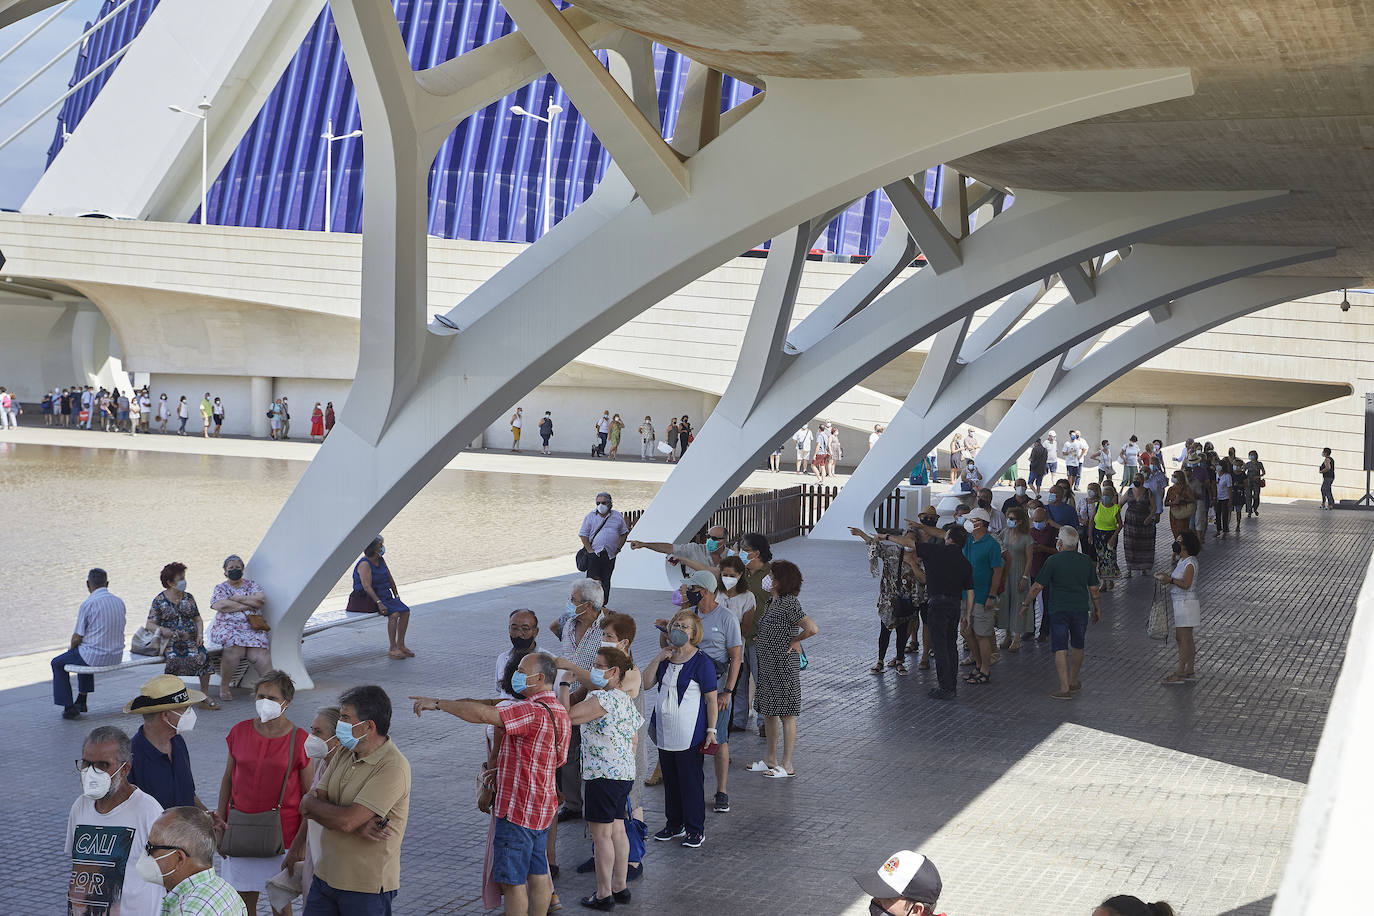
[258,836]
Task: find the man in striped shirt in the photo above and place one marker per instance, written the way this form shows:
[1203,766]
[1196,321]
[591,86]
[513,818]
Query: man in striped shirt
[98,639]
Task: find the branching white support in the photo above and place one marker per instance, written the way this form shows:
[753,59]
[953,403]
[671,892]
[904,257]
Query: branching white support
[593,273]
[941,365]
[1042,405]
[698,118]
[1153,274]
[954,200]
[996,325]
[1080,282]
[941,249]
[633,141]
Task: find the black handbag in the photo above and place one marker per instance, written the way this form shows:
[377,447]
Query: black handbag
[582,557]
[903,606]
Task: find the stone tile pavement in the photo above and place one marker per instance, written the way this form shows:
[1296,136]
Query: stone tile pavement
[1027,804]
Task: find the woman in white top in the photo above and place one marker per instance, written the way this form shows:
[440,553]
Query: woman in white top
[1130,461]
[1182,584]
[686,679]
[164,413]
[1106,470]
[609,723]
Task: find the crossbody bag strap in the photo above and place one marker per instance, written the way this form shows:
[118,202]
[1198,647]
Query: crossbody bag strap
[552,721]
[290,755]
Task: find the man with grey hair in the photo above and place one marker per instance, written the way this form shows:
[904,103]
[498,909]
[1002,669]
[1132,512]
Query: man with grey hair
[1072,598]
[580,636]
[690,555]
[106,829]
[181,855]
[603,534]
[97,640]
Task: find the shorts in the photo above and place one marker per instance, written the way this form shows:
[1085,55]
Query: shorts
[984,620]
[723,723]
[1067,630]
[1187,613]
[604,801]
[517,853]
[820,461]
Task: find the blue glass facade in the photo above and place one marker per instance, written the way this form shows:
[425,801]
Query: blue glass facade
[486,182]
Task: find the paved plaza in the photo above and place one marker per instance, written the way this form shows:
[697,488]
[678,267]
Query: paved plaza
[1027,804]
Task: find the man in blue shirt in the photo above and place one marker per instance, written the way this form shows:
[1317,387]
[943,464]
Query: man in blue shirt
[1059,507]
[161,764]
[984,554]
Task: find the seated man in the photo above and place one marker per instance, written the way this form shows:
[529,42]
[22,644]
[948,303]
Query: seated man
[97,640]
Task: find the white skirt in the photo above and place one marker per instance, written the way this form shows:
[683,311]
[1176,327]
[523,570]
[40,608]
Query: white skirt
[249,875]
[1187,612]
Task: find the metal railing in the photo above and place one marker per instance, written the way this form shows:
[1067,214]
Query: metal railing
[787,513]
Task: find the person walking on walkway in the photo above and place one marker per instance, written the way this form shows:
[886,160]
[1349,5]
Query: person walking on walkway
[362,804]
[821,463]
[328,418]
[603,432]
[1106,470]
[648,440]
[546,431]
[517,423]
[1039,466]
[267,770]
[802,440]
[984,554]
[782,626]
[684,434]
[183,414]
[1222,469]
[181,856]
[1182,584]
[1130,461]
[613,440]
[1328,471]
[97,640]
[372,578]
[899,598]
[1180,502]
[671,437]
[135,414]
[534,743]
[237,603]
[603,535]
[176,617]
[217,414]
[207,411]
[1069,581]
[316,423]
[164,412]
[1254,482]
[285,417]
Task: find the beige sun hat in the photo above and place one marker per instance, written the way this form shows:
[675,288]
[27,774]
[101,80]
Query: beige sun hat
[164,692]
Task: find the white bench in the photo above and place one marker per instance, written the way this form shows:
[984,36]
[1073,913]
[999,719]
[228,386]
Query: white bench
[317,624]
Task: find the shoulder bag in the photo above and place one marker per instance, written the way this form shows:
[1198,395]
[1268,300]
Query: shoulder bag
[486,778]
[1159,613]
[903,606]
[580,558]
[258,836]
[147,642]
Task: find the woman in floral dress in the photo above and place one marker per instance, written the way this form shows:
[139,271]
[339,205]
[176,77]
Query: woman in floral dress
[176,617]
[900,576]
[234,599]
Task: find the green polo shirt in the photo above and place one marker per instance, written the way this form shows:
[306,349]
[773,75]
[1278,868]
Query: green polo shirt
[1066,578]
[984,556]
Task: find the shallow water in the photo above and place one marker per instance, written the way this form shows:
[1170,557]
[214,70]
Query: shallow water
[64,510]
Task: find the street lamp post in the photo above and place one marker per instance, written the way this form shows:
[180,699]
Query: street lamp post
[553,112]
[329,137]
[204,117]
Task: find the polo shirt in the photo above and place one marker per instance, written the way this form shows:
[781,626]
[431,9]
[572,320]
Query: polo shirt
[948,572]
[1066,578]
[1063,514]
[167,779]
[984,556]
[379,782]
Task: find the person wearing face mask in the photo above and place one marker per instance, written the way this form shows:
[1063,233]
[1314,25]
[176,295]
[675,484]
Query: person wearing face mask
[1106,533]
[603,432]
[1106,469]
[1180,502]
[683,726]
[1069,581]
[576,629]
[900,594]
[1059,506]
[907,884]
[1130,460]
[1156,476]
[648,440]
[971,480]
[179,857]
[997,521]
[685,433]
[782,625]
[534,743]
[107,827]
[1043,546]
[984,554]
[1183,597]
[1017,548]
[1222,471]
[97,640]
[267,769]
[322,746]
[374,586]
[1254,482]
[237,602]
[1074,452]
[1020,498]
[685,557]
[164,412]
[523,629]
[613,440]
[161,764]
[546,432]
[603,535]
[175,617]
[949,591]
[756,553]
[609,722]
[517,424]
[1138,522]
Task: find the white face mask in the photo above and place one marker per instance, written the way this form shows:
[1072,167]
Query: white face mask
[97,783]
[968,525]
[1020,491]
[602,508]
[316,748]
[187,721]
[607,644]
[268,709]
[729,582]
[149,870]
[767,583]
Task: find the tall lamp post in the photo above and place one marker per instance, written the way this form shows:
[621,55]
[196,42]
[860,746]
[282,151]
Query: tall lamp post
[329,139]
[204,117]
[552,112]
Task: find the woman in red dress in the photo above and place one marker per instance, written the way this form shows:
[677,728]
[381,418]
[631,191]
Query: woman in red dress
[317,423]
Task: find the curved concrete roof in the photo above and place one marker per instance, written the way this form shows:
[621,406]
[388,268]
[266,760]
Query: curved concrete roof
[1285,91]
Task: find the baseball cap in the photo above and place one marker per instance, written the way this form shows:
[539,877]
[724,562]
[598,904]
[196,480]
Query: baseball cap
[905,874]
[701,578]
[980,515]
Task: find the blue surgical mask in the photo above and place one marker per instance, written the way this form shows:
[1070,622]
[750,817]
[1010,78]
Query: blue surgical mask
[1051,499]
[381,551]
[519,682]
[344,732]
[598,677]
[1038,526]
[572,606]
[712,545]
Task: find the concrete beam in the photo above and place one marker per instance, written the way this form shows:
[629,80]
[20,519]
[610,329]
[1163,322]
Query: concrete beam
[12,11]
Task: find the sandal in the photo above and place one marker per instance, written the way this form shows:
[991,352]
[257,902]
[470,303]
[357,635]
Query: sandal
[901,668]
[1174,680]
[893,663]
[395,653]
[207,703]
[924,665]
[758,766]
[778,773]
[1015,645]
[977,677]
[1062,695]
[876,669]
[1076,685]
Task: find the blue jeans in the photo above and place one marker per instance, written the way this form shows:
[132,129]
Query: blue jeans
[328,901]
[1067,630]
[62,681]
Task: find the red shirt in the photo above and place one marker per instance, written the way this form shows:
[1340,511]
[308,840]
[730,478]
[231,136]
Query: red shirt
[259,765]
[534,745]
